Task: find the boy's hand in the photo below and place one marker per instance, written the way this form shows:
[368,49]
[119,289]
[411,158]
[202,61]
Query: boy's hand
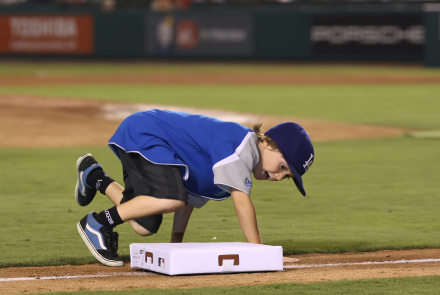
[246,216]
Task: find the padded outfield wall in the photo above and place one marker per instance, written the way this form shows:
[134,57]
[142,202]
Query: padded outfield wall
[432,45]
[383,33]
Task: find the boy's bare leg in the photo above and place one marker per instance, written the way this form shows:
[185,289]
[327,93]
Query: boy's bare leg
[143,206]
[114,193]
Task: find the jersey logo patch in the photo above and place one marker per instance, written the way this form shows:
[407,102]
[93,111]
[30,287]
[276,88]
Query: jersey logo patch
[247,182]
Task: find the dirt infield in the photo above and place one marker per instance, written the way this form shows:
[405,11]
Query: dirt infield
[27,121]
[311,268]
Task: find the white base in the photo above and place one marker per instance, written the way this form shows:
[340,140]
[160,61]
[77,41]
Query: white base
[198,258]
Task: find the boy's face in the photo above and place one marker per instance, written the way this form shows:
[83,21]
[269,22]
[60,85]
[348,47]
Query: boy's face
[272,165]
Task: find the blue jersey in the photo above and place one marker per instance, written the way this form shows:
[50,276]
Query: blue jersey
[213,155]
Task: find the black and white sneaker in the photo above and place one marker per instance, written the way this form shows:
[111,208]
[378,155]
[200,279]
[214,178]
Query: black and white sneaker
[84,193]
[101,241]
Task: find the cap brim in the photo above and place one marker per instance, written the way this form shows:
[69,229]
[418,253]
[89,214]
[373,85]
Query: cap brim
[300,186]
[298,180]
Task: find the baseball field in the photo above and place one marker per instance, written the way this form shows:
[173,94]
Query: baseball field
[369,224]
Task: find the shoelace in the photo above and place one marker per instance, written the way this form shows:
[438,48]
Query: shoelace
[112,242]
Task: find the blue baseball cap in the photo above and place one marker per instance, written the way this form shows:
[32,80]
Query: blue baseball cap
[296,147]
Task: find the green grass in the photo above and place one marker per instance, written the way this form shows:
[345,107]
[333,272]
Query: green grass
[413,106]
[417,285]
[431,134]
[88,68]
[362,196]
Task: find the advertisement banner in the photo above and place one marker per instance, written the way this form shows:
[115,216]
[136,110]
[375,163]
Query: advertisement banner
[368,34]
[199,35]
[46,34]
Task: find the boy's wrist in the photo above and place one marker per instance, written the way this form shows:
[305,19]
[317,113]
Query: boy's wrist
[255,240]
[177,237]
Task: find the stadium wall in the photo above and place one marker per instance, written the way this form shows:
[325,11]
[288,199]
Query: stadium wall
[308,34]
[432,45]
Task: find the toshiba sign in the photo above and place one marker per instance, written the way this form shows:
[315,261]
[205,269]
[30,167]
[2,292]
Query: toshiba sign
[46,34]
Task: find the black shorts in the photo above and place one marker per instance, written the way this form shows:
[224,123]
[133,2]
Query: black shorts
[142,177]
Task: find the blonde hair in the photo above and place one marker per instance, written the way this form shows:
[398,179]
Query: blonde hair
[258,129]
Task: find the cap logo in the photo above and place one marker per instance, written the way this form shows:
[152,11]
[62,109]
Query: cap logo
[308,163]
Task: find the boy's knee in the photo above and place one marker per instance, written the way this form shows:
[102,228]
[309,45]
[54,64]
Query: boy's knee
[140,230]
[143,232]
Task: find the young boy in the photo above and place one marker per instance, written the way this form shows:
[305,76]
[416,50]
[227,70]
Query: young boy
[173,162]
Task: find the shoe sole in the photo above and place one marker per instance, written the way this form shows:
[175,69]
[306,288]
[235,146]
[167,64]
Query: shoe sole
[78,162]
[94,252]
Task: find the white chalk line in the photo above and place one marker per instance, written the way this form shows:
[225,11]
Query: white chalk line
[362,263]
[285,267]
[117,274]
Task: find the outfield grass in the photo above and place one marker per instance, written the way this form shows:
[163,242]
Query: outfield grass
[88,68]
[414,106]
[418,285]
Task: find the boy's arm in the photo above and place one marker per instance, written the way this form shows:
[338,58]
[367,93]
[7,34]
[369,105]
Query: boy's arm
[248,219]
[246,215]
[181,218]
